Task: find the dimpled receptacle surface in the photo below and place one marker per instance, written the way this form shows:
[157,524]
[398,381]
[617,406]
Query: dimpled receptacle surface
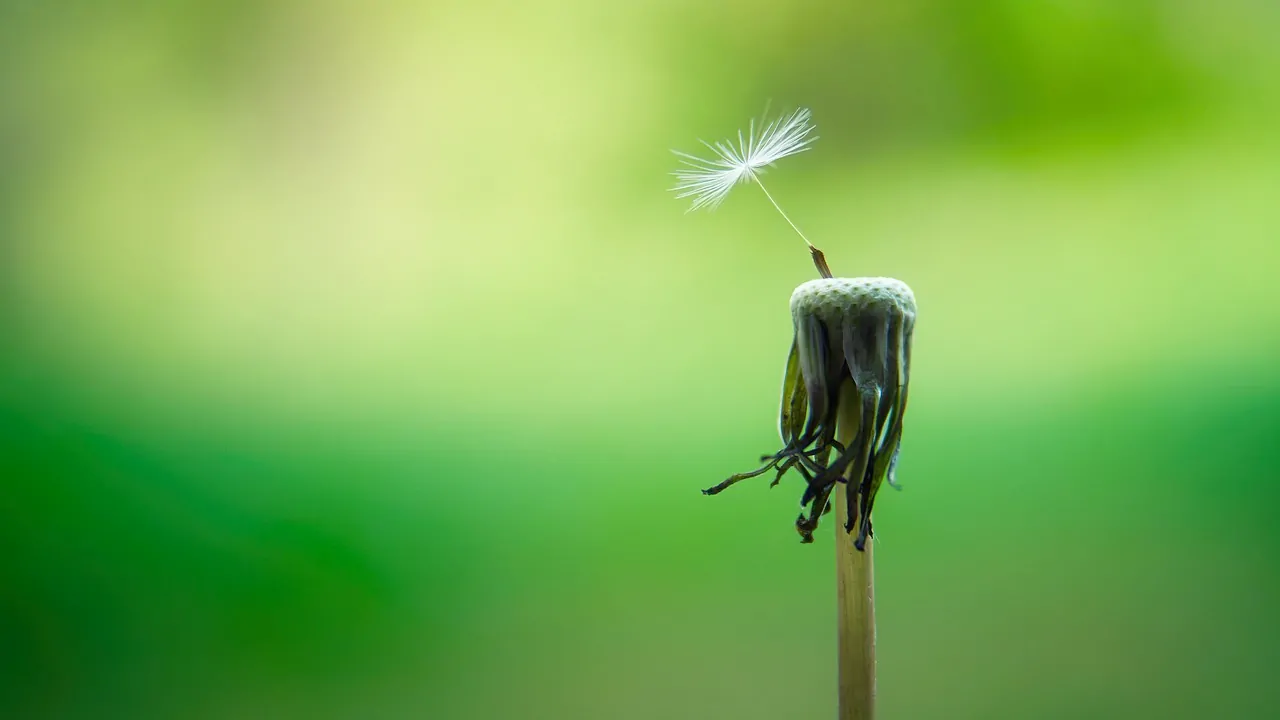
[832,299]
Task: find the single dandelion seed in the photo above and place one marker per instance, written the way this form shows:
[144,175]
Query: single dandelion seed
[709,181]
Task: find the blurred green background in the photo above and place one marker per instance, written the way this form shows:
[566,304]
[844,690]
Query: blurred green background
[356,362]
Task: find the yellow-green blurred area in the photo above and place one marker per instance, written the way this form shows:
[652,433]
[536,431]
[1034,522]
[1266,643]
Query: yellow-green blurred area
[355,361]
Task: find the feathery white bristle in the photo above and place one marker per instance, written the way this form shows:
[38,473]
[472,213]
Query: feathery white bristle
[708,181]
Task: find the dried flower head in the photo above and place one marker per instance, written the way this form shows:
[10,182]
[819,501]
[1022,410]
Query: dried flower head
[852,345]
[708,181]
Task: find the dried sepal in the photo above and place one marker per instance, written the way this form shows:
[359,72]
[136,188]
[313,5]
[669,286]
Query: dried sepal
[795,399]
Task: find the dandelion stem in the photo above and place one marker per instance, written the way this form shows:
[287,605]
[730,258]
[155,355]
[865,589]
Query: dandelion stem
[819,260]
[855,591]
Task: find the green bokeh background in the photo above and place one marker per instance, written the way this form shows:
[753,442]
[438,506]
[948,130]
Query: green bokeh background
[356,363]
